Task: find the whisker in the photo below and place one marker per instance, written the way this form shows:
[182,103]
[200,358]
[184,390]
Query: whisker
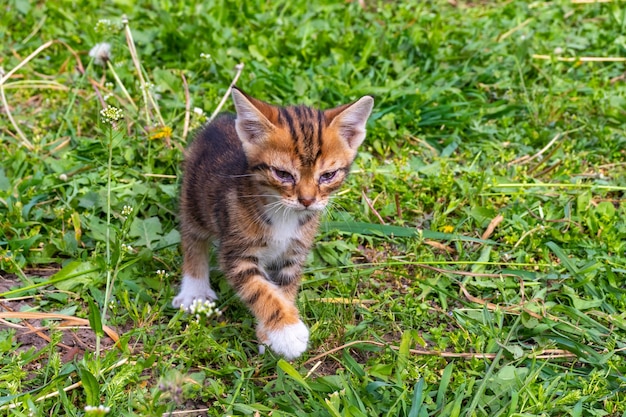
[335,210]
[235,176]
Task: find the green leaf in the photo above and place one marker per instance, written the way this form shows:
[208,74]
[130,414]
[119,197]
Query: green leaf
[170,239]
[293,373]
[74,274]
[95,319]
[606,210]
[443,384]
[352,365]
[578,302]
[5,184]
[418,393]
[90,385]
[146,231]
[404,353]
[396,231]
[567,263]
[515,350]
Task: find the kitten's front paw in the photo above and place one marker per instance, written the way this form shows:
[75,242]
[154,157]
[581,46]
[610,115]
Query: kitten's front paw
[290,341]
[193,289]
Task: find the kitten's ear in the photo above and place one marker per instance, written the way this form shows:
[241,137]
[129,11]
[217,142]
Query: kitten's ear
[254,117]
[351,119]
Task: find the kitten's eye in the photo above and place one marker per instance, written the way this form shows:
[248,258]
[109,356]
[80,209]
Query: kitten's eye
[283,175]
[327,176]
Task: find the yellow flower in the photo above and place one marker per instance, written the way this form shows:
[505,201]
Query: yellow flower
[161,132]
[447,229]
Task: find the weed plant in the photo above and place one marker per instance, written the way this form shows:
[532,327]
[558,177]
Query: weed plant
[474,264]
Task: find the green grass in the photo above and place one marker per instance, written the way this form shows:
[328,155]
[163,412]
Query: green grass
[414,309]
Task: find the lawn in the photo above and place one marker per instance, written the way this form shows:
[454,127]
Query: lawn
[474,263]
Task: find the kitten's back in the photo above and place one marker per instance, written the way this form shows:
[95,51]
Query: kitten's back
[216,150]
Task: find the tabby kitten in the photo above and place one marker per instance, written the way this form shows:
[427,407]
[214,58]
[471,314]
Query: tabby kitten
[257,183]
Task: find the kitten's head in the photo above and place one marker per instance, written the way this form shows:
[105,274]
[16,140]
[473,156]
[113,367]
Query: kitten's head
[300,155]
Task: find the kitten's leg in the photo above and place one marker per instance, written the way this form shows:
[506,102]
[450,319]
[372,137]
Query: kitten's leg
[195,284]
[287,278]
[279,325]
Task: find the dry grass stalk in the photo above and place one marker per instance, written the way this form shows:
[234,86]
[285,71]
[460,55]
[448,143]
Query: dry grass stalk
[525,159]
[69,321]
[580,58]
[492,226]
[187,106]
[543,354]
[239,68]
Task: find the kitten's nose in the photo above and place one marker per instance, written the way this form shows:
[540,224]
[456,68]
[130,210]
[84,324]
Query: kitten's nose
[306,201]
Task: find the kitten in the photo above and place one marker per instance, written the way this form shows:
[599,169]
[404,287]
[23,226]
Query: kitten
[257,183]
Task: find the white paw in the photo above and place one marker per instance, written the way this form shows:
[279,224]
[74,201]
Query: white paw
[192,289]
[290,341]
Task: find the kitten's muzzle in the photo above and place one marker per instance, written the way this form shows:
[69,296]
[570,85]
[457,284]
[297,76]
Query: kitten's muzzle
[306,201]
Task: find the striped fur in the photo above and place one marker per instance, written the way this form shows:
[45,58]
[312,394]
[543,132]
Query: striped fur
[256,182]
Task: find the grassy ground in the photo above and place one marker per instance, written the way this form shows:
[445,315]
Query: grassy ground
[473,265]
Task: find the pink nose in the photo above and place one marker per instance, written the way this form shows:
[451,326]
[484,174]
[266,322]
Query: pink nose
[306,201]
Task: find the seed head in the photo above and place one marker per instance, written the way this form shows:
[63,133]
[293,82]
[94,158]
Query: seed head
[101,53]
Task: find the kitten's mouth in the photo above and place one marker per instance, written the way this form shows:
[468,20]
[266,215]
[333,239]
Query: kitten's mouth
[298,206]
[310,208]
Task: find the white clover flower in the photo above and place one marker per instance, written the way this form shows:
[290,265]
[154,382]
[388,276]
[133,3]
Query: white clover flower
[111,114]
[198,111]
[101,53]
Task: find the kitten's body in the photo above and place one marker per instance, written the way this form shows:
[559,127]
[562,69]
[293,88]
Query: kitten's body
[257,184]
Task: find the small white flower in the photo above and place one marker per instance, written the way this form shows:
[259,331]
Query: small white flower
[126,210]
[103,22]
[101,53]
[198,111]
[558,50]
[97,411]
[106,26]
[205,56]
[205,308]
[111,114]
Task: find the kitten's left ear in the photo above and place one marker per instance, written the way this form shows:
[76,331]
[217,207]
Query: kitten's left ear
[350,120]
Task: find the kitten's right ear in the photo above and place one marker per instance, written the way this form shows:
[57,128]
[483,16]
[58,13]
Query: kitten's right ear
[253,123]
